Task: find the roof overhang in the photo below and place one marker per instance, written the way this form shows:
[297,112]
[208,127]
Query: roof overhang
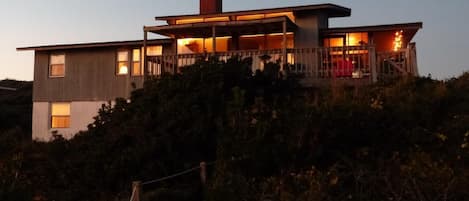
[332,10]
[95,45]
[410,29]
[248,27]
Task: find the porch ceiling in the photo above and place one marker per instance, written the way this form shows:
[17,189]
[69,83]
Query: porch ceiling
[204,30]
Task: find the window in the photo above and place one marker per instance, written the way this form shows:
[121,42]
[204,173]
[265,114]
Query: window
[57,65]
[154,50]
[155,69]
[137,68]
[60,115]
[122,63]
[349,39]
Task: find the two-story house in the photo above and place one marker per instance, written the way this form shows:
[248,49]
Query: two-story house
[72,81]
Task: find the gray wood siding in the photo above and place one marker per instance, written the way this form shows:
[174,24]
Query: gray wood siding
[309,25]
[90,75]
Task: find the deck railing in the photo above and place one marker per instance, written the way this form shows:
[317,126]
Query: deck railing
[352,62]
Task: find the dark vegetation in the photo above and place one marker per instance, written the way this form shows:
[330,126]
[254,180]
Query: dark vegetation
[15,129]
[269,139]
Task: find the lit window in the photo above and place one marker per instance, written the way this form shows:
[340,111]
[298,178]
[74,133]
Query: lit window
[57,65]
[136,64]
[349,39]
[154,51]
[60,115]
[122,63]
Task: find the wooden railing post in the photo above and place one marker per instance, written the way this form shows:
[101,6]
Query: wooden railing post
[136,191]
[374,71]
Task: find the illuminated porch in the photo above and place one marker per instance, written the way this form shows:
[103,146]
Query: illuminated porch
[365,54]
[217,36]
[313,65]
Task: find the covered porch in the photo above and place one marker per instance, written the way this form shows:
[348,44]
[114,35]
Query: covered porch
[394,52]
[353,54]
[219,38]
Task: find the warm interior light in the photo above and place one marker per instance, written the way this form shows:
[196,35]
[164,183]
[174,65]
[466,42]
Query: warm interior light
[190,21]
[60,109]
[217,19]
[287,14]
[349,39]
[252,36]
[398,40]
[123,62]
[352,41]
[60,115]
[250,17]
[185,41]
[123,70]
[280,34]
[154,50]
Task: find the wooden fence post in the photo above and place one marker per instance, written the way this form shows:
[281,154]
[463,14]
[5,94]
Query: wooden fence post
[136,191]
[203,172]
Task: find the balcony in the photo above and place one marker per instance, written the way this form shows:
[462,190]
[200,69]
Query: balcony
[315,66]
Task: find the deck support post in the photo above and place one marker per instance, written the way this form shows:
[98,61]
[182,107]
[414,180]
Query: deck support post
[284,49]
[145,62]
[373,64]
[214,40]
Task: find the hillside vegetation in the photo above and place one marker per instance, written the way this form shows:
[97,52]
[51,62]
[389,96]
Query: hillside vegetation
[268,139]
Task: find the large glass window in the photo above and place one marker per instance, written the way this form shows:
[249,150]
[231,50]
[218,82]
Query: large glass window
[57,65]
[122,62]
[349,39]
[200,45]
[154,68]
[154,50]
[265,41]
[60,115]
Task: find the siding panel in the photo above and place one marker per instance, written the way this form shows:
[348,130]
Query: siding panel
[89,76]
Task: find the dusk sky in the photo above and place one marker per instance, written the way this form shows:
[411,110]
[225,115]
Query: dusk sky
[442,44]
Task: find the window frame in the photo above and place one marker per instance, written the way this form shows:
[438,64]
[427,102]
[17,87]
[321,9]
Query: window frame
[51,115]
[127,61]
[139,61]
[50,65]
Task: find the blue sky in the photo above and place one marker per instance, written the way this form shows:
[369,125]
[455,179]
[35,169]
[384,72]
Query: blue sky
[443,47]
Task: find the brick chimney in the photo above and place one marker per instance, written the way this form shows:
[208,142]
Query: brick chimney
[210,7]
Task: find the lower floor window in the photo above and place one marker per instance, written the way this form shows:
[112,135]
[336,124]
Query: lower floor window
[60,115]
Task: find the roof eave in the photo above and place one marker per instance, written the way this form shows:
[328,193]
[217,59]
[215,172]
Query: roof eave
[333,11]
[92,45]
[386,27]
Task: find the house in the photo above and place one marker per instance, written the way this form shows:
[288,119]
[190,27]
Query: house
[72,81]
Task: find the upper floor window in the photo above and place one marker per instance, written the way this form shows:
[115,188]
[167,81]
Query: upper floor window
[137,68]
[60,115]
[122,62]
[57,65]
